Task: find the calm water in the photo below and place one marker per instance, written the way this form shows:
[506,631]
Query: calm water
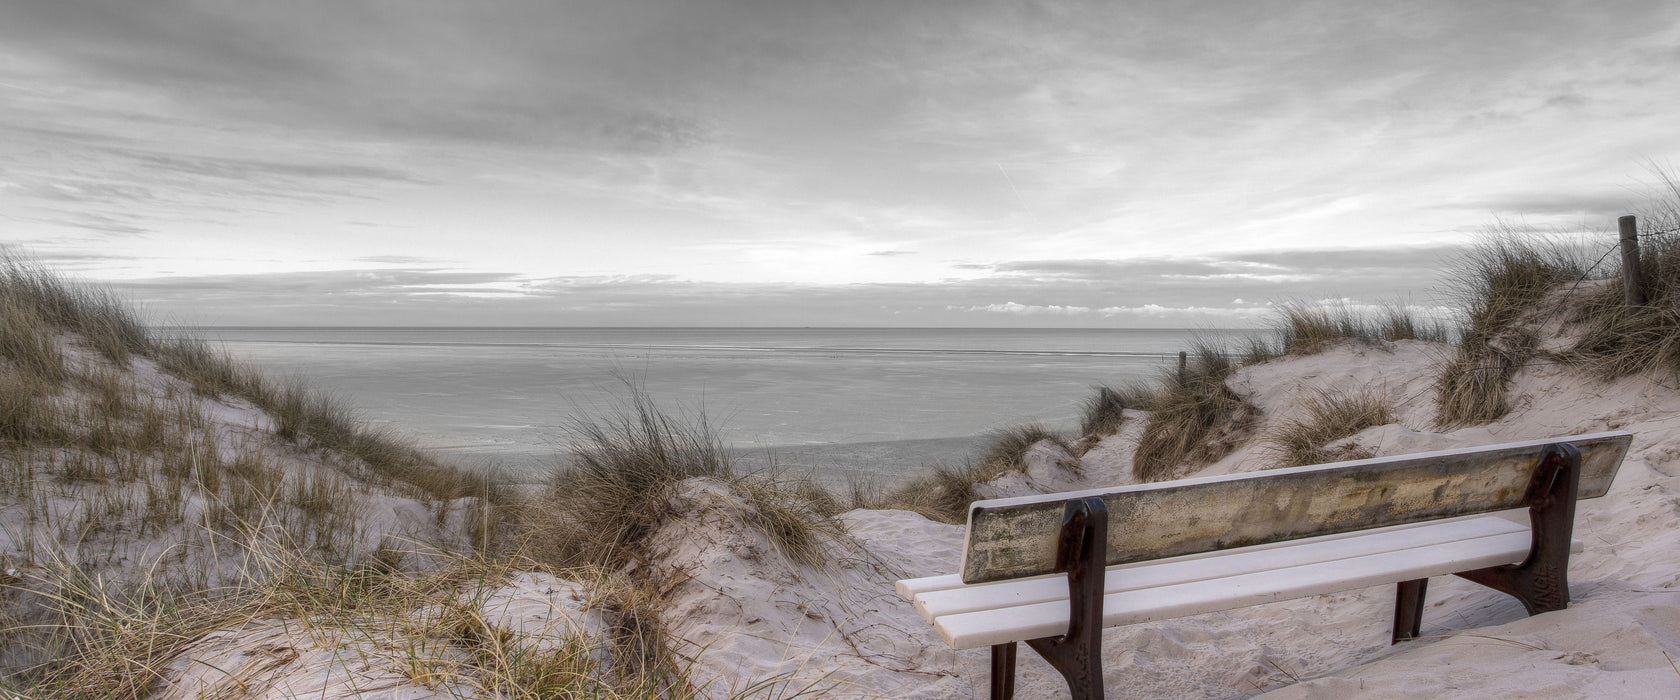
[881,401]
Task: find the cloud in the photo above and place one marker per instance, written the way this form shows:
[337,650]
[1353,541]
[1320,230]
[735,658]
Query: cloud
[1596,205]
[393,259]
[891,253]
[251,169]
[1146,292]
[1011,307]
[507,74]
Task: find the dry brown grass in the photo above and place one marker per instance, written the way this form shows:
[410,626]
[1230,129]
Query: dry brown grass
[430,627]
[1309,329]
[1006,449]
[1616,340]
[146,525]
[944,492]
[1507,275]
[1502,284]
[93,316]
[1105,411]
[1196,418]
[618,484]
[1330,415]
[941,493]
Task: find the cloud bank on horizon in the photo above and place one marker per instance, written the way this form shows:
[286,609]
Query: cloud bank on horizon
[768,163]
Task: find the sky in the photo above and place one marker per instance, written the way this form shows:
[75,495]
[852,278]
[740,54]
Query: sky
[804,163]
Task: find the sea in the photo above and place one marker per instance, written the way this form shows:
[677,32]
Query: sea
[877,404]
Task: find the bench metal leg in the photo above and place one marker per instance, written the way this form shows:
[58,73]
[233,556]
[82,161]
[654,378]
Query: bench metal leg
[1081,552]
[1408,609]
[1541,582]
[1003,671]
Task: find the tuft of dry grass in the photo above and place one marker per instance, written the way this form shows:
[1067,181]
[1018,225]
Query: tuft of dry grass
[1330,416]
[944,492]
[1309,329]
[1196,418]
[618,486]
[1105,411]
[1507,275]
[429,628]
[1617,340]
[796,514]
[94,316]
[1007,448]
[1470,388]
[1502,283]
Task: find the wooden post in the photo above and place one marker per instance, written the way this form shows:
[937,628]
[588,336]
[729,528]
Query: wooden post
[1183,361]
[1632,283]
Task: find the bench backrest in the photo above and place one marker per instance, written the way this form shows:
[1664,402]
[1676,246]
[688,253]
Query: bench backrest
[1016,537]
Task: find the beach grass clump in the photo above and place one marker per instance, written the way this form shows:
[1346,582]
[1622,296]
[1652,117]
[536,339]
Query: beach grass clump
[1307,330]
[1508,275]
[1006,449]
[430,629]
[795,513]
[619,484]
[1395,321]
[41,315]
[1615,339]
[1196,418]
[93,316]
[943,492]
[1303,329]
[1105,410]
[1330,415]
[1502,283]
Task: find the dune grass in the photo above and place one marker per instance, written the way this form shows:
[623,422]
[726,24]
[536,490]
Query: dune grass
[1501,281]
[1616,340]
[1196,418]
[1307,329]
[618,484]
[1105,410]
[308,417]
[146,524]
[944,491]
[40,311]
[1507,275]
[1330,415]
[430,629]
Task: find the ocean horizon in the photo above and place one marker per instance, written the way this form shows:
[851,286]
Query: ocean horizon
[877,403]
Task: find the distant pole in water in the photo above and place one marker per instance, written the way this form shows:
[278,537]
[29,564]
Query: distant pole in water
[1183,359]
[1632,283]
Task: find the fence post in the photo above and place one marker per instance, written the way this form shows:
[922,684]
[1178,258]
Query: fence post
[1183,361]
[1632,283]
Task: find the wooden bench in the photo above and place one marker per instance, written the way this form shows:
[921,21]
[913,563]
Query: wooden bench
[1157,551]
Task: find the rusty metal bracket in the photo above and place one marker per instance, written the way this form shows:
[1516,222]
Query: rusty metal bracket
[1081,549]
[1541,582]
[1003,671]
[1408,609]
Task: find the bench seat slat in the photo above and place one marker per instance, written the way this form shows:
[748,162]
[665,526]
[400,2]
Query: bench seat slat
[983,628]
[937,603]
[910,588]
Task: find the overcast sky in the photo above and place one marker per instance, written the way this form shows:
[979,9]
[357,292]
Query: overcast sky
[958,163]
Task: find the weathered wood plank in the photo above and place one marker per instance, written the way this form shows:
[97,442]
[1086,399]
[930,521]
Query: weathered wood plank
[1016,537]
[987,627]
[1169,572]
